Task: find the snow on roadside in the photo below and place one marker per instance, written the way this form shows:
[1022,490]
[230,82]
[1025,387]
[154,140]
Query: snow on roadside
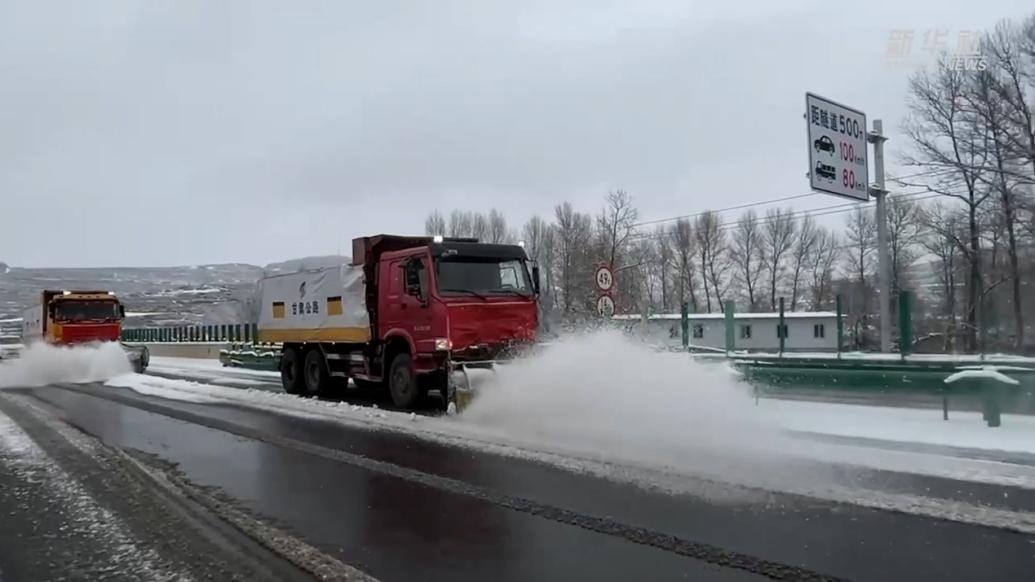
[23,457]
[913,425]
[183,390]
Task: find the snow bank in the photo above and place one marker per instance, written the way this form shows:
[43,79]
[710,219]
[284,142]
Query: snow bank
[985,372]
[909,425]
[42,364]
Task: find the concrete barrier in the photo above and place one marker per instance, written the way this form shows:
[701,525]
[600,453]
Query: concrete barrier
[202,350]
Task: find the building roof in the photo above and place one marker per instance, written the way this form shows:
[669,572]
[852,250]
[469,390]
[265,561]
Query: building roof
[736,316]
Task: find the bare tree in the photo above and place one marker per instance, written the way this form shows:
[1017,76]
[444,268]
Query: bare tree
[777,240]
[498,232]
[904,233]
[745,255]
[1012,49]
[479,226]
[460,223]
[534,233]
[573,233]
[683,244]
[951,142]
[944,238]
[801,255]
[616,223]
[821,262]
[986,98]
[664,256]
[435,224]
[861,238]
[710,240]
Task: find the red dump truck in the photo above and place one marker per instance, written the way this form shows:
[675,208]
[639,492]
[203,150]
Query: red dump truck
[70,317]
[405,315]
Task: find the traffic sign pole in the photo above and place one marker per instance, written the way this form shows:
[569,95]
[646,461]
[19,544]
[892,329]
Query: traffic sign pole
[876,137]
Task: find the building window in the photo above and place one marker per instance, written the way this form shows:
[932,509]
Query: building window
[745,332]
[781,331]
[818,331]
[698,331]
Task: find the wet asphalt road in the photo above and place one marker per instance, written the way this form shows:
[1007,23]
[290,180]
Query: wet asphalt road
[400,508]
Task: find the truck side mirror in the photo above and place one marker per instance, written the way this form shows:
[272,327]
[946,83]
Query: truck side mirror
[122,311]
[535,278]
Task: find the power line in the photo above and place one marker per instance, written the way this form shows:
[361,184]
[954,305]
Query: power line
[799,215]
[721,210]
[775,200]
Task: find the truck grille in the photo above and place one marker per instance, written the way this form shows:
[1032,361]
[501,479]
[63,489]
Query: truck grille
[89,332]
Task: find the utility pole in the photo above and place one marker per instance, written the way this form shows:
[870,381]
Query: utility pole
[876,137]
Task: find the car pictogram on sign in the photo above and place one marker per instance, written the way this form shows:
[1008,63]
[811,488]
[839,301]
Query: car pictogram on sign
[824,144]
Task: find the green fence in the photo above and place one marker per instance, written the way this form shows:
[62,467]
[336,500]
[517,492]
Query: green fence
[234,332]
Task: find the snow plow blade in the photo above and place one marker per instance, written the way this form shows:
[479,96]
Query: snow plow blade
[139,357]
[461,391]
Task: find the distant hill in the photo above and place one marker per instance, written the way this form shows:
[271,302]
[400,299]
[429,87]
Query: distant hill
[154,296]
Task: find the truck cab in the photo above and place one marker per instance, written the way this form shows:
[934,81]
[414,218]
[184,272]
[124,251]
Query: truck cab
[476,301]
[71,317]
[443,304]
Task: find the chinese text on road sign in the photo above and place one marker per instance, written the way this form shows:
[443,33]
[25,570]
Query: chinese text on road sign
[837,148]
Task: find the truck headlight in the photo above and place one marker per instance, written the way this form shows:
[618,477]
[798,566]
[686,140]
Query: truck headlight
[443,344]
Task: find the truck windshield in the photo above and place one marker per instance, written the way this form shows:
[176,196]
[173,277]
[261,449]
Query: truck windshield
[86,310]
[482,276]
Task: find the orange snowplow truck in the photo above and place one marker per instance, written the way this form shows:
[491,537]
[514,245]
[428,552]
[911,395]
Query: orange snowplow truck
[79,317]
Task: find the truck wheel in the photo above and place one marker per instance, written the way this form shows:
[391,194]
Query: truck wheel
[317,380]
[402,382]
[291,372]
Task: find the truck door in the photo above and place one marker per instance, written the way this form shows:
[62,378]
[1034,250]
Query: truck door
[407,307]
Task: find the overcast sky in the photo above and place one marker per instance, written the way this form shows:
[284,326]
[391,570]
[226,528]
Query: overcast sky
[183,132]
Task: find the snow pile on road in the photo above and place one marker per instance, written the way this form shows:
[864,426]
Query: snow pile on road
[606,393]
[183,390]
[42,364]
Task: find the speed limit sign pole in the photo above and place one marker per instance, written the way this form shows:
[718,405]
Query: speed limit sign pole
[876,137]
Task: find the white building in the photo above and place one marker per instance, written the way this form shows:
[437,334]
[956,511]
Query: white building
[814,331]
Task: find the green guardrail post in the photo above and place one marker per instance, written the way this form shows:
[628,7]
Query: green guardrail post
[839,301]
[255,333]
[222,332]
[905,323]
[781,330]
[731,340]
[237,331]
[247,333]
[684,323]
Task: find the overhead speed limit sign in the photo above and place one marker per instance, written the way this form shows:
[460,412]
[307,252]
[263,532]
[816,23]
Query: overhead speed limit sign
[605,278]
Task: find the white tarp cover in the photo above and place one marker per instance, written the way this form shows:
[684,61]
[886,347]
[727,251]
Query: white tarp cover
[326,304]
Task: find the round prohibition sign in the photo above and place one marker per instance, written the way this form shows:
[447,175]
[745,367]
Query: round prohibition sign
[605,278]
